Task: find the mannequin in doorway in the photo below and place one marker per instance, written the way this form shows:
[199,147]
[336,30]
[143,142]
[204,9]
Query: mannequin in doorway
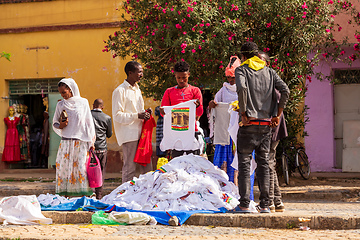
[45,134]
[22,134]
[11,151]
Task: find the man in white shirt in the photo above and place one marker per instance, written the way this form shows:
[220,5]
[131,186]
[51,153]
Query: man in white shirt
[128,115]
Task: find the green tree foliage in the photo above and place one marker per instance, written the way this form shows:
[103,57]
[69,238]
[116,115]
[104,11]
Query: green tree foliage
[206,33]
[5,55]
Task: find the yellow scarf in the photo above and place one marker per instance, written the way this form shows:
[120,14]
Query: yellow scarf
[254,63]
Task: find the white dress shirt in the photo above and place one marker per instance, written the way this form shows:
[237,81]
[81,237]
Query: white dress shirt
[127,102]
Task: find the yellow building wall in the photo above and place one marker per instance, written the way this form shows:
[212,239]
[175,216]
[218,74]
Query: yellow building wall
[73,54]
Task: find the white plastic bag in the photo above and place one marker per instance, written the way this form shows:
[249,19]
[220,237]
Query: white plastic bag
[23,209]
[136,218]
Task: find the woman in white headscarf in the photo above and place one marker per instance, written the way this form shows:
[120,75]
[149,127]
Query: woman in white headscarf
[223,156]
[77,134]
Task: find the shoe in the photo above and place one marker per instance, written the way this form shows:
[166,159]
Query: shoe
[272,208]
[237,209]
[280,208]
[258,208]
[265,210]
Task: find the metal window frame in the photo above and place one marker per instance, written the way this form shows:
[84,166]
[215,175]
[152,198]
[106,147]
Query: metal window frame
[33,86]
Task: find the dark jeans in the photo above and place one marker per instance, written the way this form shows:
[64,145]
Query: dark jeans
[250,138]
[274,190]
[102,156]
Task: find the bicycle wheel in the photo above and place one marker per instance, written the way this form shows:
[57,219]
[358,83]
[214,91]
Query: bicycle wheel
[304,165]
[285,167]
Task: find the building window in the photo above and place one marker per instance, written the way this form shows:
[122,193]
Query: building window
[33,86]
[22,1]
[347,76]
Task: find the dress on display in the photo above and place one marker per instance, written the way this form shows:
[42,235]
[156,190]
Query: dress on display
[22,139]
[12,146]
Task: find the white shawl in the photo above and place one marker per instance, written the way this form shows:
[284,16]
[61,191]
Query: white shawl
[81,124]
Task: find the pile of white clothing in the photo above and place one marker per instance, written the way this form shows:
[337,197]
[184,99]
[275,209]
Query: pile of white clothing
[49,200]
[186,183]
[22,209]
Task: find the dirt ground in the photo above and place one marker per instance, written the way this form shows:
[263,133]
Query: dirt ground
[165,232]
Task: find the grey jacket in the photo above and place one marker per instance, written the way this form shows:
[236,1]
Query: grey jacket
[103,128]
[256,91]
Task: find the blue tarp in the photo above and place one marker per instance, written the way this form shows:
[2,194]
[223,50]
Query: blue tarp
[89,204]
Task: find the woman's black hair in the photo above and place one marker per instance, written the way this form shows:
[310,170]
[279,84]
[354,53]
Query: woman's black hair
[63,84]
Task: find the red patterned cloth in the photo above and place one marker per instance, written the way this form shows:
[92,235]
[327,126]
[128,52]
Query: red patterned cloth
[144,150]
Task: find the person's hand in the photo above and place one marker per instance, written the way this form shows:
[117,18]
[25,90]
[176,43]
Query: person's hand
[64,124]
[212,104]
[162,112]
[197,102]
[144,115]
[149,110]
[245,120]
[274,122]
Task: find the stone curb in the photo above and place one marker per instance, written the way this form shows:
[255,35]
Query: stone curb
[276,220]
[326,194]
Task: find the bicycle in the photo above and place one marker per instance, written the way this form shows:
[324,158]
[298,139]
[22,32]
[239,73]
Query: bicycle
[297,161]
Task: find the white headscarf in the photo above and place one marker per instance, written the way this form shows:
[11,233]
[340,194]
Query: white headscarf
[81,124]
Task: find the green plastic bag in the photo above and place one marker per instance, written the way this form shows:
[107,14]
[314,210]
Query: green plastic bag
[101,218]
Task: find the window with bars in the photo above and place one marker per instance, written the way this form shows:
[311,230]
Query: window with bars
[347,76]
[33,86]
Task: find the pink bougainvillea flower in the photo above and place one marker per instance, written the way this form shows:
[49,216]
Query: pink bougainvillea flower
[178,26]
[339,29]
[150,49]
[193,50]
[223,20]
[184,33]
[287,54]
[183,45]
[325,55]
[357,37]
[304,5]
[352,57]
[183,51]
[201,32]
[172,9]
[115,34]
[356,47]
[230,38]
[135,56]
[193,29]
[199,47]
[332,16]
[188,15]
[207,24]
[221,66]
[220,7]
[268,25]
[201,25]
[330,2]
[249,3]
[183,20]
[327,30]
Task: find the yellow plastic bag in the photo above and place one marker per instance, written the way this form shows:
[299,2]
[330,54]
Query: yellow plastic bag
[161,162]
